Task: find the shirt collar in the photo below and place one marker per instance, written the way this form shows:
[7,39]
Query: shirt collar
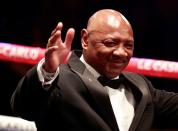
[91,69]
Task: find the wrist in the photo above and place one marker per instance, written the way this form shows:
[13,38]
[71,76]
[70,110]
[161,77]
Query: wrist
[48,69]
[47,76]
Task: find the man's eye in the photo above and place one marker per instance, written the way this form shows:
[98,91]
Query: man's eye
[129,46]
[109,43]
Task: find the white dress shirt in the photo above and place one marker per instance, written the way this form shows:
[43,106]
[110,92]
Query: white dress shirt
[122,99]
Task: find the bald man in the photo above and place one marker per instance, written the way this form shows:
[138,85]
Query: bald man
[87,90]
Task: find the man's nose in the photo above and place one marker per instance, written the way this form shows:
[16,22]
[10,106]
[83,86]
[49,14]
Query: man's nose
[120,51]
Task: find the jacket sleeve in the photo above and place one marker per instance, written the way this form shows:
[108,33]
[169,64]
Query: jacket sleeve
[29,96]
[166,108]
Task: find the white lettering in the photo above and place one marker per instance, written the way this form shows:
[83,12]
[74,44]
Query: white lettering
[19,52]
[157,65]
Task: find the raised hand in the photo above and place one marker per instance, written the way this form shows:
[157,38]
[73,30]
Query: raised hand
[57,51]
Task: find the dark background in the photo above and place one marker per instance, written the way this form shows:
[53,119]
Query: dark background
[30,22]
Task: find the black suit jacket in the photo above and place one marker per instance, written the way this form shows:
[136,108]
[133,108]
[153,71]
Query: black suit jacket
[76,101]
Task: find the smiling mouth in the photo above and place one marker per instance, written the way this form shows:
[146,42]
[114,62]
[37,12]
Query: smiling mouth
[117,64]
[118,61]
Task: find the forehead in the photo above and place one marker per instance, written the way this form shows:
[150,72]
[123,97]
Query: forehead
[95,34]
[111,25]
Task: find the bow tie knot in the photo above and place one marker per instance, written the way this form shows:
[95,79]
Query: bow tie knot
[113,83]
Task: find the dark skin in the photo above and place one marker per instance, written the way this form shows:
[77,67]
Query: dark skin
[107,43]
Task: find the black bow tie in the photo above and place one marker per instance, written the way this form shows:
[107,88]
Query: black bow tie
[113,83]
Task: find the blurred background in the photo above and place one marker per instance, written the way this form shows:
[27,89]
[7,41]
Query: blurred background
[30,22]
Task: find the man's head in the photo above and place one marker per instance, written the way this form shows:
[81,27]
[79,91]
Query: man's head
[108,42]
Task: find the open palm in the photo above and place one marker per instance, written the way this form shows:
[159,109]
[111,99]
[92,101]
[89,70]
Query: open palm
[58,51]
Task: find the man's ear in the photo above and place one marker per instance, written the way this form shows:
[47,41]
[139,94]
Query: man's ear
[84,38]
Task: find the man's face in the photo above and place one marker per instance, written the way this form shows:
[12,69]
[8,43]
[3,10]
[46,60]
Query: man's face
[108,43]
[109,53]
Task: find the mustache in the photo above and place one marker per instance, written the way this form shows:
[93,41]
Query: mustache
[119,59]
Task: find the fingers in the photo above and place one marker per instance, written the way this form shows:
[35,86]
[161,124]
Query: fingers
[54,39]
[58,27]
[69,37]
[51,49]
[55,35]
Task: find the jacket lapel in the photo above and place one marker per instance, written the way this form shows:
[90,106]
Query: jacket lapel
[141,86]
[97,91]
